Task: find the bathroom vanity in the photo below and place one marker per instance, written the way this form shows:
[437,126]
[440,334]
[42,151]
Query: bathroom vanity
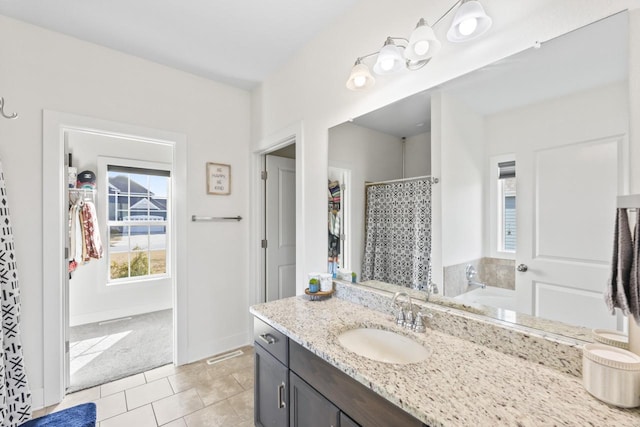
[309,391]
[305,377]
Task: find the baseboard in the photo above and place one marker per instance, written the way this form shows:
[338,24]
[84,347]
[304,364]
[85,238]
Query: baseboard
[83,319]
[37,398]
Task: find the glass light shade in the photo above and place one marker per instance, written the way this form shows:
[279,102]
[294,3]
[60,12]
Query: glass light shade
[390,60]
[360,77]
[469,22]
[423,43]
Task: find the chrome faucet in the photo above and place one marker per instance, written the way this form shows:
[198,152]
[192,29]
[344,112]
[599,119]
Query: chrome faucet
[431,289]
[471,274]
[406,317]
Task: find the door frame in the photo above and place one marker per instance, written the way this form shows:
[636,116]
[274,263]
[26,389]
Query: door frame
[56,125]
[276,141]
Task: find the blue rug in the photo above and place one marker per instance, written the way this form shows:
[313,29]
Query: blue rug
[78,416]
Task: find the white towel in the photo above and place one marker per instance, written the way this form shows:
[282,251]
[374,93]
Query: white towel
[617,291]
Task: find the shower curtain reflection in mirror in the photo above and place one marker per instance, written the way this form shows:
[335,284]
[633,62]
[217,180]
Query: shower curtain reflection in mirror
[398,232]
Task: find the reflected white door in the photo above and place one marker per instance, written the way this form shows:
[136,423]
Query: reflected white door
[280,199]
[566,211]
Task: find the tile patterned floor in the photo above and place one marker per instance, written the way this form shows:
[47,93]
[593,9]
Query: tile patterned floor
[194,395]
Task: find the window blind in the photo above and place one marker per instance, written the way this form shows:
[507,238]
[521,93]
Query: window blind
[507,169]
[140,171]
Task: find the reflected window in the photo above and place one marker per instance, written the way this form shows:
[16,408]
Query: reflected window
[137,222]
[507,228]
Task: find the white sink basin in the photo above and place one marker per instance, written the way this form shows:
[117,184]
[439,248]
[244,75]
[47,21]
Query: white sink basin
[383,346]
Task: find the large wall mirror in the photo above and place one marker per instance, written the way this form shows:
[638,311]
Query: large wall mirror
[520,164]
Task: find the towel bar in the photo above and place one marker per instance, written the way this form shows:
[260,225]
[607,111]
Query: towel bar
[196,218]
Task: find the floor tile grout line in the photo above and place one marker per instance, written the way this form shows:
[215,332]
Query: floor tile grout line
[235,373]
[188,413]
[155,416]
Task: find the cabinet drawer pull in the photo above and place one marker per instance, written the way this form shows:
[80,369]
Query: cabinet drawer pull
[267,338]
[281,402]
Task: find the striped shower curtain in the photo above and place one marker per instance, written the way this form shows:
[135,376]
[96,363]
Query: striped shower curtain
[398,233]
[15,396]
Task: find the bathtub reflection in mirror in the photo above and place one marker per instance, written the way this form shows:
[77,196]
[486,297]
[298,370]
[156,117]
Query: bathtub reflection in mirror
[531,153]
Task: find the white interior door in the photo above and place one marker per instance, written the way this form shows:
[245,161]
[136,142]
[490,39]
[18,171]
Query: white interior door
[280,199]
[566,211]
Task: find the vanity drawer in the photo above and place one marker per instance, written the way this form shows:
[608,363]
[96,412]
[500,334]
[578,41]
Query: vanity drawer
[275,342]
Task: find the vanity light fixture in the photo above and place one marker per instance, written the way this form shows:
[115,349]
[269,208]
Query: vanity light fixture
[360,77]
[390,58]
[423,43]
[469,22]
[398,53]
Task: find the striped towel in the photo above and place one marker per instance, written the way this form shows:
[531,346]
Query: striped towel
[616,294]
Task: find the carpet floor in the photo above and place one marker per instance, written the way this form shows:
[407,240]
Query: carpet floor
[107,351]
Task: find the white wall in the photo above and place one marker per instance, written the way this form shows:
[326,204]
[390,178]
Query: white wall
[462,193]
[371,156]
[288,96]
[45,70]
[586,115]
[417,155]
[90,298]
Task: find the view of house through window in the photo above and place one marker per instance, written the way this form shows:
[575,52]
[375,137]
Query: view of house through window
[137,221]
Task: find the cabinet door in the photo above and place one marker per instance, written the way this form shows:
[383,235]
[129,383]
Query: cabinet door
[270,390]
[345,421]
[309,408]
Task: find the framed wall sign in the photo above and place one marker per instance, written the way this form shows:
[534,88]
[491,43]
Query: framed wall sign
[218,178]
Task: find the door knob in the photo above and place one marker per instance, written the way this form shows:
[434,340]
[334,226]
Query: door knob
[522,268]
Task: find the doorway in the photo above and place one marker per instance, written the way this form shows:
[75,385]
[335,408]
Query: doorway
[57,129]
[279,241]
[120,304]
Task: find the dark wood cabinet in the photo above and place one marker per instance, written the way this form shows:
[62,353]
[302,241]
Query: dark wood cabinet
[361,404]
[294,387]
[271,390]
[308,407]
[345,421]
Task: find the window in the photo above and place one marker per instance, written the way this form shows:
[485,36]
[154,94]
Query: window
[137,222]
[507,229]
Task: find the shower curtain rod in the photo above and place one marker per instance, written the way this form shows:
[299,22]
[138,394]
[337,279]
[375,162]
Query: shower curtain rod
[432,179]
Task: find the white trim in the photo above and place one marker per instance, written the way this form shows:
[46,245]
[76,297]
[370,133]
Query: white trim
[83,319]
[286,136]
[494,209]
[56,126]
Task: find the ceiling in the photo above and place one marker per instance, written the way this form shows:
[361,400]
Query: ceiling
[406,118]
[589,57]
[237,42]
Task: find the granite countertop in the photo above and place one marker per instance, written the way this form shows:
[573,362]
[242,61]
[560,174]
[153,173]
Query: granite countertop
[461,383]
